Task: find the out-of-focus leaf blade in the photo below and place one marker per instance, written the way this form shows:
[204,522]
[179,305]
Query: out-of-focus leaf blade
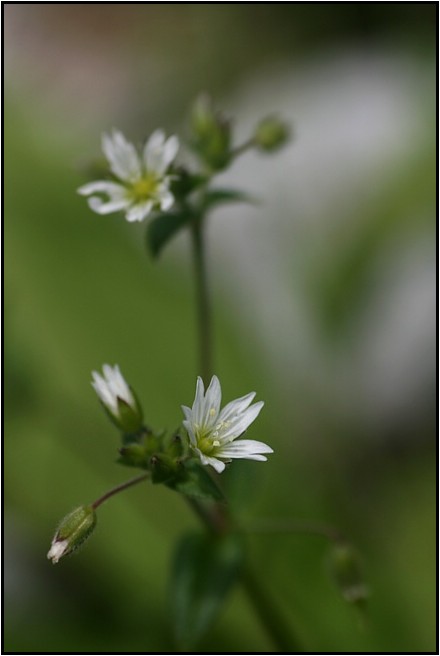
[205,568]
[215,197]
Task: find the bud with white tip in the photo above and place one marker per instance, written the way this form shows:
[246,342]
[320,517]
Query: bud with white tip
[74,529]
[118,399]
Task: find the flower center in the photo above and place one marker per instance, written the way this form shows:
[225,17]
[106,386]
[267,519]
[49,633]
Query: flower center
[207,445]
[144,188]
[208,437]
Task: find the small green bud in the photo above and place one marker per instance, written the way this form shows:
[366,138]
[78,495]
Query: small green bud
[271,134]
[134,455]
[164,468]
[176,447]
[74,529]
[210,134]
[346,569]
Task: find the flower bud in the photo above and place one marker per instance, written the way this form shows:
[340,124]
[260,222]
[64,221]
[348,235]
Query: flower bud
[271,134]
[74,529]
[345,566]
[210,134]
[164,468]
[118,399]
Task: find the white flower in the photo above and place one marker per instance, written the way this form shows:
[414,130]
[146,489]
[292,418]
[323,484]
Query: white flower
[212,432]
[118,398]
[141,181]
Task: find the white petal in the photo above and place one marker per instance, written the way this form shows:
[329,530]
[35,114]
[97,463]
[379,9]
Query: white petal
[113,189]
[244,449]
[122,156]
[218,465]
[170,150]
[118,385]
[57,550]
[153,152]
[242,422]
[211,404]
[106,207]
[236,407]
[198,405]
[166,200]
[139,211]
[103,391]
[186,411]
[188,425]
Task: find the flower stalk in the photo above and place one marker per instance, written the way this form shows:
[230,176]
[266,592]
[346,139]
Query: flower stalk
[203,306]
[217,519]
[118,489]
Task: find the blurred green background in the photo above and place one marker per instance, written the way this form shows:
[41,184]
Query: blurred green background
[324,304]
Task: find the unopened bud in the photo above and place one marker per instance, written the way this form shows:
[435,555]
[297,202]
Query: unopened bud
[74,529]
[271,134]
[210,134]
[346,569]
[118,399]
[164,468]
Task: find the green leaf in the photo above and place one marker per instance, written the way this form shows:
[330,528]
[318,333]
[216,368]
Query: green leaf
[215,197]
[194,481]
[165,226]
[205,568]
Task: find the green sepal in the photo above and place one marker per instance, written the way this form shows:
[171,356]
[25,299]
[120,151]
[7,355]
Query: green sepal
[194,481]
[130,419]
[215,197]
[175,446]
[137,449]
[134,455]
[205,568]
[164,469]
[164,227]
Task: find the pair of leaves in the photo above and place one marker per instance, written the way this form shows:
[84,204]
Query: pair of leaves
[167,224]
[206,566]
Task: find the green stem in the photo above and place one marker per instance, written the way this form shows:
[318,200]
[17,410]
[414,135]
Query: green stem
[270,617]
[202,301]
[119,488]
[218,520]
[296,526]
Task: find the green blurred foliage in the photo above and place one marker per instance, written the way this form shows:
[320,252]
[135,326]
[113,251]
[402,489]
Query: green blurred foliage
[80,291]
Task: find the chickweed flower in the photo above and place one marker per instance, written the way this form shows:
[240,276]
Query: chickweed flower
[118,398]
[140,183]
[213,432]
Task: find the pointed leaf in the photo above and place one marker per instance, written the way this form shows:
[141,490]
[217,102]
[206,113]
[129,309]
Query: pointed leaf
[205,568]
[215,197]
[165,226]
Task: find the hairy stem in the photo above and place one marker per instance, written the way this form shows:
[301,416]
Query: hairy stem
[119,488]
[296,526]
